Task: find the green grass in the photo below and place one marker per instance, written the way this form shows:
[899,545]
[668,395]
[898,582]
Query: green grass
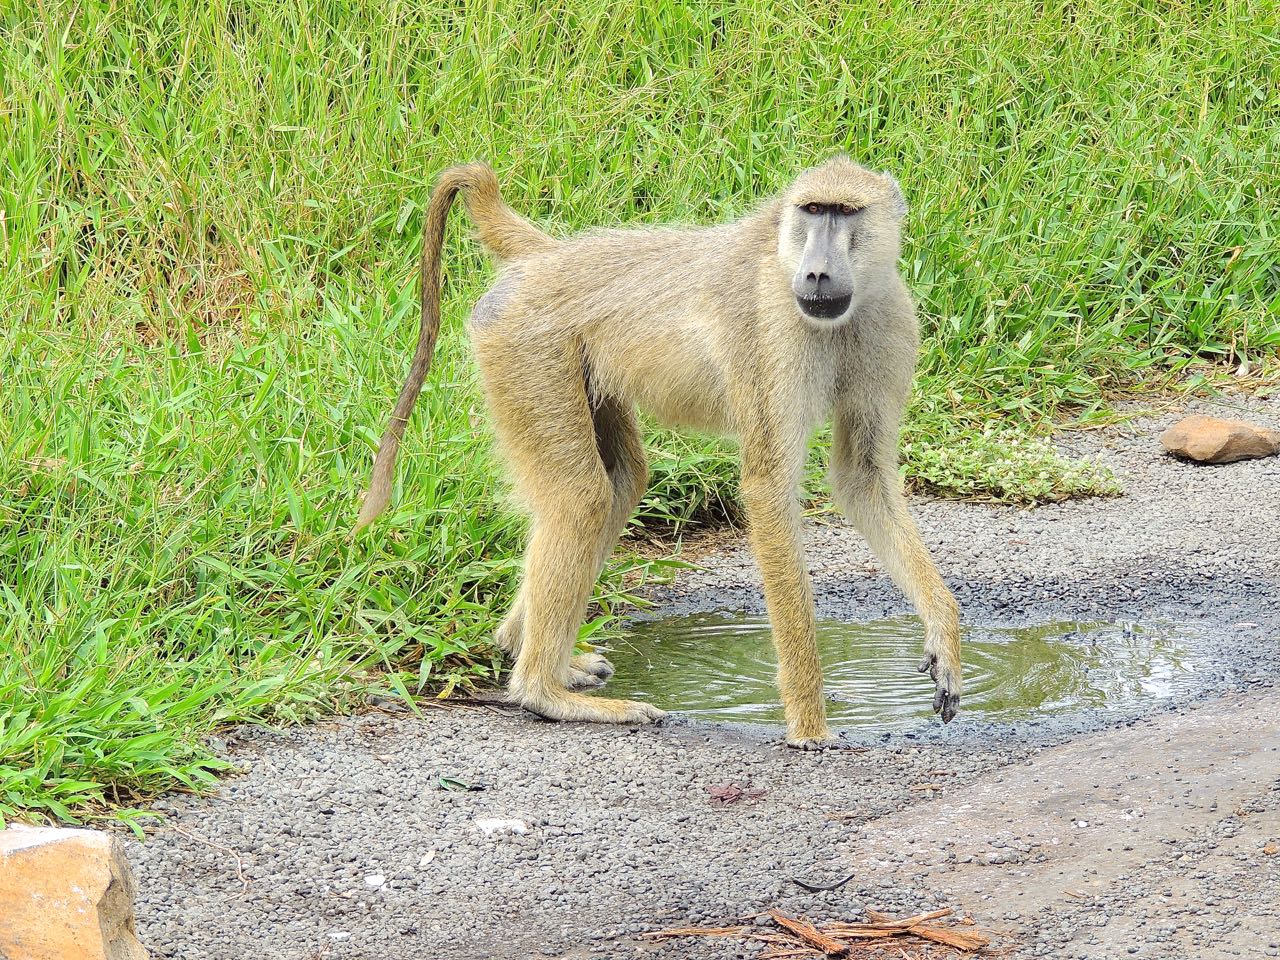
[210,216]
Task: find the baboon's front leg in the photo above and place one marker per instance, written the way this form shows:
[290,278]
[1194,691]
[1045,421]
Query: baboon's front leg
[769,490]
[864,478]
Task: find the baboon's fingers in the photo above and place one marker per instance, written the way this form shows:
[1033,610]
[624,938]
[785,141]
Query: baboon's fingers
[950,707]
[946,701]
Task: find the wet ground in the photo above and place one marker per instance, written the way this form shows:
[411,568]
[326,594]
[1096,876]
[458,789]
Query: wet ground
[721,667]
[1143,828]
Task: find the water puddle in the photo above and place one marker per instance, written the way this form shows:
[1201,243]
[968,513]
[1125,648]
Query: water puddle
[722,666]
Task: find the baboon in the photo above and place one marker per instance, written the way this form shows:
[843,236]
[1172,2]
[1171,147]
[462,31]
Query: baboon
[760,329]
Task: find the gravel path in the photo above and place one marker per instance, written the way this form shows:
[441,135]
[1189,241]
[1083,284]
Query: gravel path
[1093,836]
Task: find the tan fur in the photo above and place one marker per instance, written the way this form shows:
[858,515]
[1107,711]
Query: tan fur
[700,327]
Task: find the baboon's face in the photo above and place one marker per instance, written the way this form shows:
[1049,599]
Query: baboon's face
[838,233]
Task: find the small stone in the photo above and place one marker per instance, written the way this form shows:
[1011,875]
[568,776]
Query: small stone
[66,894]
[491,825]
[1214,440]
[375,881]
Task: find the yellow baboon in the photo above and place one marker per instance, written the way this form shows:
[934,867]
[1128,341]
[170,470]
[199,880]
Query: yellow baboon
[761,329]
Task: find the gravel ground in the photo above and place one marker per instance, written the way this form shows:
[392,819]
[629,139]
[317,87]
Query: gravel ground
[1092,836]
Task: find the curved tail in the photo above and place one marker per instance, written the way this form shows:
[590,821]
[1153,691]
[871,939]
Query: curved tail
[503,231]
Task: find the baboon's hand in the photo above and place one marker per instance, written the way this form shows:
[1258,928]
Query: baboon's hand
[946,677]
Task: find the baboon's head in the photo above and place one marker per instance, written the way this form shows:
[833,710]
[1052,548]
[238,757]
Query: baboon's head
[839,234]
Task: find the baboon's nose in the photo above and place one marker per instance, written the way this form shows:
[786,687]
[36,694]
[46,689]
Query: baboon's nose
[816,284]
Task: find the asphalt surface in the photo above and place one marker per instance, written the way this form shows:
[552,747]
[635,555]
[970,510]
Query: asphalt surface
[1095,835]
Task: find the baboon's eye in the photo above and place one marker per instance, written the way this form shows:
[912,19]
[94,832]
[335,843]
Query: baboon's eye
[848,210]
[814,208]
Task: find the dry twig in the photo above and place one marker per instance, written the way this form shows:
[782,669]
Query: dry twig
[694,932]
[244,881]
[800,938]
[810,934]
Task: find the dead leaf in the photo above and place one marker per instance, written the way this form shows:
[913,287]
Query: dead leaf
[728,793]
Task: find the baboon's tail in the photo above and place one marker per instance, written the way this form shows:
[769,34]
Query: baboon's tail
[501,229]
[504,232]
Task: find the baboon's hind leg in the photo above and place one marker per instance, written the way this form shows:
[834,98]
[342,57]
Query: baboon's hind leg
[545,424]
[621,451]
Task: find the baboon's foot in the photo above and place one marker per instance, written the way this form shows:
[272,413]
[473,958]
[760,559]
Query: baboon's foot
[810,733]
[588,671]
[510,634]
[582,680]
[592,663]
[945,673]
[563,705]
[827,742]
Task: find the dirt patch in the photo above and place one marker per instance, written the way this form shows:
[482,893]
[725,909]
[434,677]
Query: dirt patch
[1111,835]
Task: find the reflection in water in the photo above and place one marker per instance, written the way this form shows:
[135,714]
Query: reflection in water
[721,667]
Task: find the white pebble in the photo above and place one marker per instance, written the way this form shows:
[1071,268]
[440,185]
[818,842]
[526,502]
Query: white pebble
[491,825]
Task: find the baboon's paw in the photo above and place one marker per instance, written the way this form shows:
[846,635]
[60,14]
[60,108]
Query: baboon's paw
[637,712]
[575,706]
[594,664]
[509,636]
[583,680]
[947,685]
[824,742]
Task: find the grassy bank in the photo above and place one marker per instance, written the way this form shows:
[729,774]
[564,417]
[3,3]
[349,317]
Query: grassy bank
[209,220]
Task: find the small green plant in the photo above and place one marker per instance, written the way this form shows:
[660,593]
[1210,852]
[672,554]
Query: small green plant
[1002,463]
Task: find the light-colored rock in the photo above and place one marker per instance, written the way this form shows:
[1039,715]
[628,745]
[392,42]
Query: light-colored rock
[491,825]
[1214,440]
[65,895]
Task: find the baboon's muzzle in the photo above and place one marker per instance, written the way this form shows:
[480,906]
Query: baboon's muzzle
[824,308]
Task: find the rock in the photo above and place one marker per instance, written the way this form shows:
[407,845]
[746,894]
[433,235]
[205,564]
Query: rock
[1213,440]
[66,894]
[491,825]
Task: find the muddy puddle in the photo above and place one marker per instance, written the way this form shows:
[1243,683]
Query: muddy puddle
[722,666]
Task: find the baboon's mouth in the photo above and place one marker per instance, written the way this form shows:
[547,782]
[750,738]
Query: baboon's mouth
[824,308]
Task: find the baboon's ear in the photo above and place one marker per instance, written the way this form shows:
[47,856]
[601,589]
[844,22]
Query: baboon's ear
[899,202]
